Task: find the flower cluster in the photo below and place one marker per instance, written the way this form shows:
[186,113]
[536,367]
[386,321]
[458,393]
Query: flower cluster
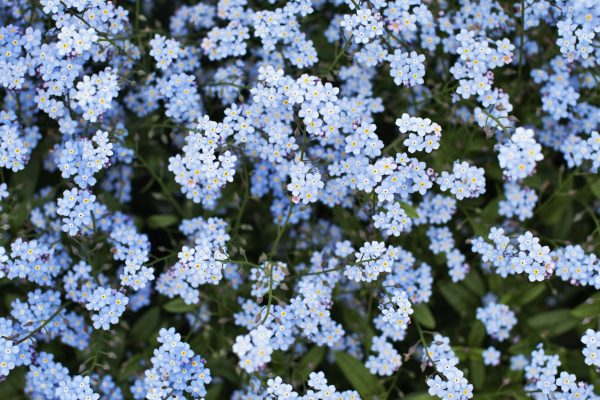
[305,184]
[407,69]
[84,158]
[523,254]
[226,42]
[372,259]
[94,94]
[577,267]
[49,379]
[77,208]
[17,144]
[200,264]
[395,316]
[464,181]
[318,388]
[519,155]
[109,305]
[254,349]
[449,382]
[164,51]
[498,320]
[386,359]
[267,184]
[520,201]
[267,278]
[203,168]
[443,242]
[543,374]
[363,26]
[175,371]
[591,340]
[491,356]
[424,135]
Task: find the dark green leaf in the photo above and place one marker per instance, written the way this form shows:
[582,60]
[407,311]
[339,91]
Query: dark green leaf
[309,362]
[410,210]
[490,212]
[462,300]
[358,375]
[24,181]
[223,368]
[162,221]
[346,220]
[22,185]
[214,392]
[589,308]
[132,365]
[146,324]
[530,294]
[357,323]
[526,345]
[553,323]
[179,306]
[475,283]
[418,396]
[476,334]
[595,188]
[13,385]
[424,316]
[477,373]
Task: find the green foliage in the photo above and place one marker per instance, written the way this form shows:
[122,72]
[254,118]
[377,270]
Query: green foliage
[367,385]
[423,315]
[179,306]
[553,312]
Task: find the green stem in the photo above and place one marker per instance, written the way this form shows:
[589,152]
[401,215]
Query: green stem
[44,323]
[166,191]
[522,38]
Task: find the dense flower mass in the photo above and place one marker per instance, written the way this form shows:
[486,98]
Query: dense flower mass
[299,199]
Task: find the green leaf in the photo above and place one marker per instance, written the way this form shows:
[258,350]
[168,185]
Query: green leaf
[9,298]
[146,324]
[424,316]
[475,283]
[526,345]
[162,221]
[490,212]
[309,362]
[179,306]
[223,368]
[410,210]
[214,392]
[132,365]
[462,300]
[529,294]
[553,323]
[22,185]
[476,334]
[595,187]
[358,375]
[357,323]
[418,396]
[13,385]
[477,372]
[553,211]
[346,220]
[589,308]
[25,180]
[462,353]
[563,228]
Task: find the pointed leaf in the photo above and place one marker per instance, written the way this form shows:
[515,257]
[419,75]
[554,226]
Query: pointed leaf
[424,316]
[358,375]
[179,306]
